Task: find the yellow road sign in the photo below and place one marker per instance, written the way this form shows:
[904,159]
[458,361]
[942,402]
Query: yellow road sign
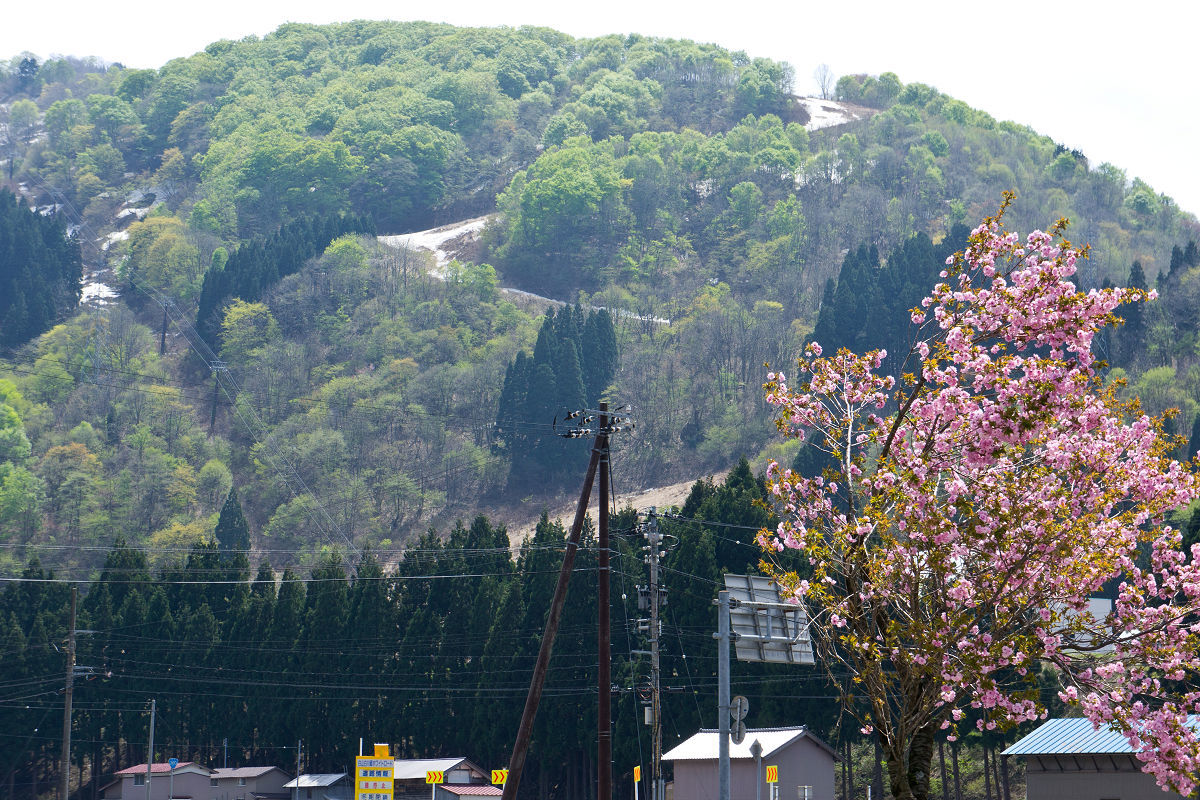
[637,774]
[773,774]
[435,776]
[499,776]
[373,778]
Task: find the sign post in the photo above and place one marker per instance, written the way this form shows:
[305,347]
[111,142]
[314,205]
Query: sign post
[373,778]
[637,778]
[172,763]
[433,777]
[773,780]
[500,776]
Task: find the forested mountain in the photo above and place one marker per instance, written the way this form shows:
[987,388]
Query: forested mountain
[361,399]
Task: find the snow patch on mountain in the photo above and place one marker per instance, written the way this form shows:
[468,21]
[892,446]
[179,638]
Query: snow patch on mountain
[830,113]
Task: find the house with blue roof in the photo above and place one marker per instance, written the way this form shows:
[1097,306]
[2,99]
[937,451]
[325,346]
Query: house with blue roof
[1069,759]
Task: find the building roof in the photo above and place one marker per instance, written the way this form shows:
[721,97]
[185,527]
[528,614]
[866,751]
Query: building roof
[241,772]
[704,745]
[316,780]
[1076,737]
[472,789]
[158,768]
[407,769]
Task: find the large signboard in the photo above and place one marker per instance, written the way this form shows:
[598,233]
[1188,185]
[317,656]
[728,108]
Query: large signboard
[373,778]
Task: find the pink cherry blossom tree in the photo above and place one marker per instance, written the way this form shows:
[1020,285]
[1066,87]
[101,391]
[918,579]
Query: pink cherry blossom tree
[954,546]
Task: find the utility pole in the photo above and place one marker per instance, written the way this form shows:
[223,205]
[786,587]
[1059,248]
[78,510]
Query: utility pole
[608,426]
[652,598]
[516,764]
[604,715]
[653,542]
[217,367]
[296,790]
[162,341]
[150,751]
[723,638]
[68,691]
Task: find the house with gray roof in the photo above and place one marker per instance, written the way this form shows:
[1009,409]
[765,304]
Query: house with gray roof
[1069,759]
[321,786]
[806,765]
[248,783]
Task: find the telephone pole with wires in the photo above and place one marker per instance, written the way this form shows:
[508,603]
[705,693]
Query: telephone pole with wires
[652,598]
[607,425]
[218,367]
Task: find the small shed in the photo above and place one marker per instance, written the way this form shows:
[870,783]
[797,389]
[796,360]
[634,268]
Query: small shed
[1069,759]
[806,765]
[321,786]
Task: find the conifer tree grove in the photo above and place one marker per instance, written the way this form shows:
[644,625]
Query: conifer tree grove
[40,271]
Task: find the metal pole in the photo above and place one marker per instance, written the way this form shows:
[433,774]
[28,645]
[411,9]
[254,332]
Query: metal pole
[756,751]
[604,674]
[723,695]
[68,691]
[654,539]
[296,791]
[171,786]
[516,764]
[150,751]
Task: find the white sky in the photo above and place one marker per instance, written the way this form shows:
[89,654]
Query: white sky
[1117,81]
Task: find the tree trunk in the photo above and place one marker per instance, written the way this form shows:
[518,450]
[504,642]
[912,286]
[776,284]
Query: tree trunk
[996,773]
[909,764]
[987,775]
[848,774]
[920,762]
[954,761]
[942,759]
[1004,775]
[877,782]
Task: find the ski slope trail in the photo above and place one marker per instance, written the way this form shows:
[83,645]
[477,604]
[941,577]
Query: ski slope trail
[448,242]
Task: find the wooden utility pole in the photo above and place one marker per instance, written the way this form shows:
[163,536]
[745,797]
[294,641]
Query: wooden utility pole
[516,764]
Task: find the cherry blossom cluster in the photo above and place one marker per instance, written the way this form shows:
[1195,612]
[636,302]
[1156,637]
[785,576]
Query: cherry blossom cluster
[976,504]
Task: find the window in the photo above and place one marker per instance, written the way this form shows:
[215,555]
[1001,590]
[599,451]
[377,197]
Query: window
[139,780]
[308,793]
[241,781]
[213,782]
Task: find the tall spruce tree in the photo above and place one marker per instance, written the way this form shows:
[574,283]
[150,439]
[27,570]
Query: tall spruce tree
[232,533]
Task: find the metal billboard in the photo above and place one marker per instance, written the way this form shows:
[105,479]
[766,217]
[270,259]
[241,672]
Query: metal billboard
[765,627]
